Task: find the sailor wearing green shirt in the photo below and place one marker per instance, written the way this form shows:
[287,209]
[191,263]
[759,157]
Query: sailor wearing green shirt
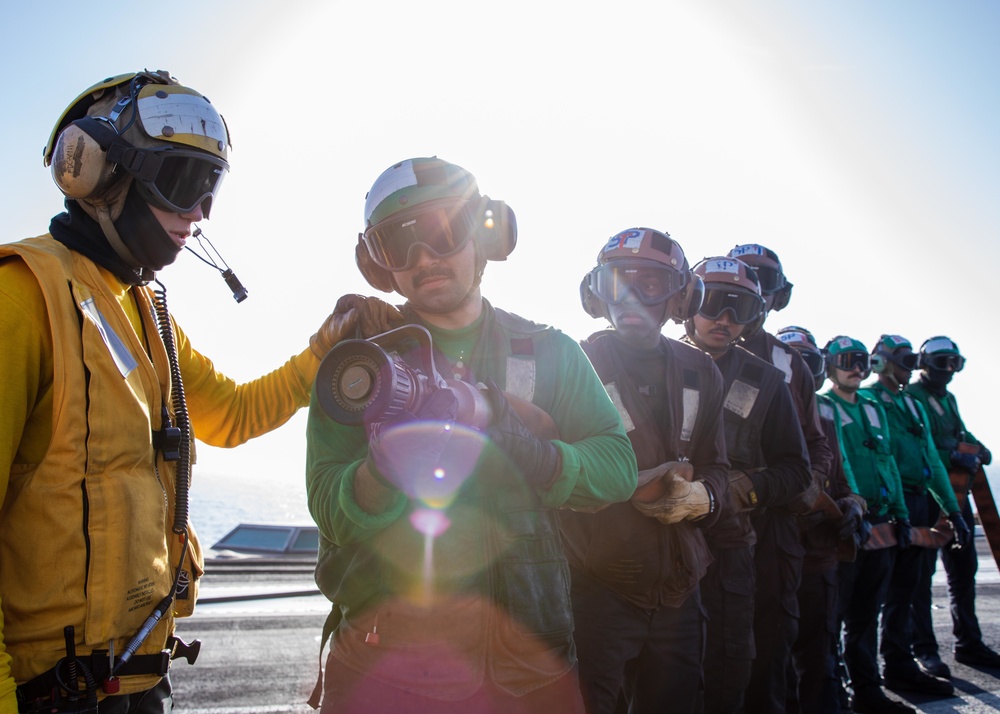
[866,444]
[922,473]
[440,543]
[960,451]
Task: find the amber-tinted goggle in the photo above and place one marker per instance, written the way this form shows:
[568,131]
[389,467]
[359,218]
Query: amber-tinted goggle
[851,360]
[943,362]
[744,307]
[176,180]
[443,230]
[649,284]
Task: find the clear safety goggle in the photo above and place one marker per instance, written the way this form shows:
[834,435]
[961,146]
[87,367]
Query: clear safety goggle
[176,180]
[649,284]
[443,230]
[744,307]
[851,360]
[943,362]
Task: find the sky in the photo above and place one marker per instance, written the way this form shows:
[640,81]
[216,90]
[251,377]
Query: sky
[856,139]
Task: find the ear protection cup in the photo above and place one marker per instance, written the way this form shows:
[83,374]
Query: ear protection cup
[591,304]
[80,167]
[498,234]
[782,297]
[377,276]
[880,362]
[687,302]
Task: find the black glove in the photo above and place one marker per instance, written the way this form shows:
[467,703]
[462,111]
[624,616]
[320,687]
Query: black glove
[864,533]
[409,452]
[850,522]
[904,534]
[963,536]
[985,457]
[537,459]
[968,462]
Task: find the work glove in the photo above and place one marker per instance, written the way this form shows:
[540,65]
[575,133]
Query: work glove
[537,459]
[682,500]
[652,483]
[849,523]
[742,491]
[963,536]
[904,533]
[354,316]
[412,453]
[967,462]
[804,502]
[864,533]
[985,457]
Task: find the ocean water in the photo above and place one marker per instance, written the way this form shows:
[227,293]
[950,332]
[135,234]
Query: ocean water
[219,502]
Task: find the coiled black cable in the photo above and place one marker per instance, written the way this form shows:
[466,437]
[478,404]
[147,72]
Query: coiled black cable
[183,476]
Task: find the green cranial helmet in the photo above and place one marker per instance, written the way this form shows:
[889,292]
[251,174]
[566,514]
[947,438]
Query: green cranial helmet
[941,353]
[415,181]
[847,353]
[429,204]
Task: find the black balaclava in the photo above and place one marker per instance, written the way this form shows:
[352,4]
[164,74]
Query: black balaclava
[141,232]
[936,380]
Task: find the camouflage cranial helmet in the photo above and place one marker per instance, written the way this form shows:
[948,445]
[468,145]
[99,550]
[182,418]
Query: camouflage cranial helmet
[431,204]
[647,264]
[772,278]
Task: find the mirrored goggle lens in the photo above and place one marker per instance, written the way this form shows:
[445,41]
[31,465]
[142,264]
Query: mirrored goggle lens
[443,231]
[908,361]
[771,279]
[852,360]
[744,307]
[183,180]
[950,363]
[649,285]
[814,361]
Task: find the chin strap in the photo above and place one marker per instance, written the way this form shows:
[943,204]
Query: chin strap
[111,233]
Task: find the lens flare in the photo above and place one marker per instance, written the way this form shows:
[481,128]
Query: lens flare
[430,460]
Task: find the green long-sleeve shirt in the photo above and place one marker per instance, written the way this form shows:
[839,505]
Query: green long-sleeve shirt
[946,425]
[598,464]
[866,443]
[917,458]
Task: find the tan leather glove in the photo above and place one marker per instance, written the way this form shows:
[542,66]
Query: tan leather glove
[808,500]
[354,316]
[681,500]
[652,483]
[741,491]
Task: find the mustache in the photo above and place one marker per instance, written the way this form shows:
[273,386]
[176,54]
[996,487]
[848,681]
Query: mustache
[437,271]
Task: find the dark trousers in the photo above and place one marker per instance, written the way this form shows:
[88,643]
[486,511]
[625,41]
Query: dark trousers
[653,656]
[813,652]
[727,592]
[907,574]
[960,567]
[348,692]
[778,566]
[863,585]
